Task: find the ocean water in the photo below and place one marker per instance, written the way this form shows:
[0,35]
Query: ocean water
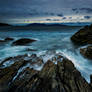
[47,40]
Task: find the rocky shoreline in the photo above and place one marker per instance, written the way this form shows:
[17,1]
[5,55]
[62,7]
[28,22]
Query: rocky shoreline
[87,52]
[57,74]
[84,37]
[48,72]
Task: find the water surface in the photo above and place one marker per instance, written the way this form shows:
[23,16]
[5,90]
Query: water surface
[47,40]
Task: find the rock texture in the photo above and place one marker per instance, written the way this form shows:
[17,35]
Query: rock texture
[53,77]
[23,41]
[87,52]
[83,36]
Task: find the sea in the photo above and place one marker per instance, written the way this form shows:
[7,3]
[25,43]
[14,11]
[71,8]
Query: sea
[47,40]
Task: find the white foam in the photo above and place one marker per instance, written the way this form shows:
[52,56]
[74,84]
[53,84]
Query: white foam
[21,69]
[80,63]
[13,51]
[38,68]
[8,63]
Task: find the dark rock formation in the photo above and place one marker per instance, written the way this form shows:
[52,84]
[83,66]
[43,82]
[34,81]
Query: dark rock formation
[4,24]
[23,41]
[6,39]
[91,80]
[9,39]
[83,36]
[60,77]
[2,41]
[87,52]
[28,49]
[7,74]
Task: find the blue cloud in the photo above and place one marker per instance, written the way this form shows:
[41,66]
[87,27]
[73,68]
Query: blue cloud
[43,7]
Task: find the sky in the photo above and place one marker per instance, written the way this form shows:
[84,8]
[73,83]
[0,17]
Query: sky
[45,10]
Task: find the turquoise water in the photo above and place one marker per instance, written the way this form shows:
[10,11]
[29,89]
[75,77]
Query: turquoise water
[47,40]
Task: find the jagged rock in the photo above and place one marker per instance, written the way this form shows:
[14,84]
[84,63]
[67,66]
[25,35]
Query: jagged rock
[71,77]
[8,73]
[87,52]
[60,77]
[21,82]
[23,41]
[32,60]
[12,60]
[83,36]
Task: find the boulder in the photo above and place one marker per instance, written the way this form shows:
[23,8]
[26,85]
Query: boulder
[6,40]
[87,52]
[23,41]
[28,49]
[9,39]
[83,36]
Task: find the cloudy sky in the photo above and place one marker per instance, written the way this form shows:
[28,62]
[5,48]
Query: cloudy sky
[37,9]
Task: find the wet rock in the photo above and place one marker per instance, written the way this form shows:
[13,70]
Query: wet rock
[47,79]
[21,82]
[60,77]
[8,73]
[91,81]
[71,77]
[83,36]
[6,40]
[63,77]
[33,56]
[12,60]
[34,60]
[9,39]
[28,49]
[87,52]
[23,41]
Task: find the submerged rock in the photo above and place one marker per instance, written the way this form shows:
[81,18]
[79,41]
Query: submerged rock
[2,41]
[87,52]
[9,39]
[23,41]
[83,36]
[6,39]
[28,49]
[60,77]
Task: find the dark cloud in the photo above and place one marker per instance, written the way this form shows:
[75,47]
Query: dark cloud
[44,7]
[87,17]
